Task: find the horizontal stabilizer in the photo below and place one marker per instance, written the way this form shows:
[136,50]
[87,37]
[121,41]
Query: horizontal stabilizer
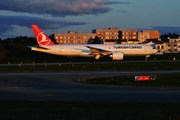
[39,47]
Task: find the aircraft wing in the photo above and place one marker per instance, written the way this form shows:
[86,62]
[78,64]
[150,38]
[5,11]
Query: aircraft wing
[98,51]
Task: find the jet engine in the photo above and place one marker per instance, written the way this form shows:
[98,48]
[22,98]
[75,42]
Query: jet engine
[117,56]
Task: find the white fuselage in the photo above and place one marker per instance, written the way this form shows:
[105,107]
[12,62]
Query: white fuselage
[84,51]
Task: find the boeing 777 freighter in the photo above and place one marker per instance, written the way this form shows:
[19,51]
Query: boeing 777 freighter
[116,51]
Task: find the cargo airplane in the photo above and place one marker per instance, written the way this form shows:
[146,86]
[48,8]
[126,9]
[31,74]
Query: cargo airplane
[116,51]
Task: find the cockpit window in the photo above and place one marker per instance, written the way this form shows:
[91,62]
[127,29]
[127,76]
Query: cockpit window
[153,46]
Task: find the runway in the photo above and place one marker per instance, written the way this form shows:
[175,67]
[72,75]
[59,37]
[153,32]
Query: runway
[62,86]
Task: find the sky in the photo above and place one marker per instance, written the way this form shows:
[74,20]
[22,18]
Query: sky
[61,16]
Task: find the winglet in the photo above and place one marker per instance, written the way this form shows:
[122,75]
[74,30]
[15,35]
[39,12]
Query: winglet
[41,37]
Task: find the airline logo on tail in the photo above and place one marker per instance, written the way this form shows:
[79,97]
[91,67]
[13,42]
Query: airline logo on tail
[42,39]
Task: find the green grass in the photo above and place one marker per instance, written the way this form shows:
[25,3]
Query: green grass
[28,110]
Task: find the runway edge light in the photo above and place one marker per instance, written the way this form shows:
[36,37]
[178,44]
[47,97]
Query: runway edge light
[145,77]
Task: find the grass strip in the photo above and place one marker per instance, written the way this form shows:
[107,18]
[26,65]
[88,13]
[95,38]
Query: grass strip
[28,110]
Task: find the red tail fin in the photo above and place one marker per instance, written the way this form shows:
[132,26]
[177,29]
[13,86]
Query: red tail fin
[42,38]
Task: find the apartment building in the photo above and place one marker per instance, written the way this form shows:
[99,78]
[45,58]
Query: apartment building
[73,37]
[148,34]
[173,46]
[161,47]
[112,35]
[108,35]
[129,34]
[169,45]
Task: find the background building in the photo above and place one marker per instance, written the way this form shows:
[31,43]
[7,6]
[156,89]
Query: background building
[108,36]
[129,34]
[73,37]
[169,45]
[161,47]
[148,34]
[173,46]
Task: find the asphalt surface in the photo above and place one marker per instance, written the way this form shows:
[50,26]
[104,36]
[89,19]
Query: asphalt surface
[62,86]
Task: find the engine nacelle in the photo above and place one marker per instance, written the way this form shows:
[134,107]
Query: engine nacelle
[117,56]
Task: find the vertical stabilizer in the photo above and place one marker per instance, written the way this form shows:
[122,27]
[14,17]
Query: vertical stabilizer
[41,37]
